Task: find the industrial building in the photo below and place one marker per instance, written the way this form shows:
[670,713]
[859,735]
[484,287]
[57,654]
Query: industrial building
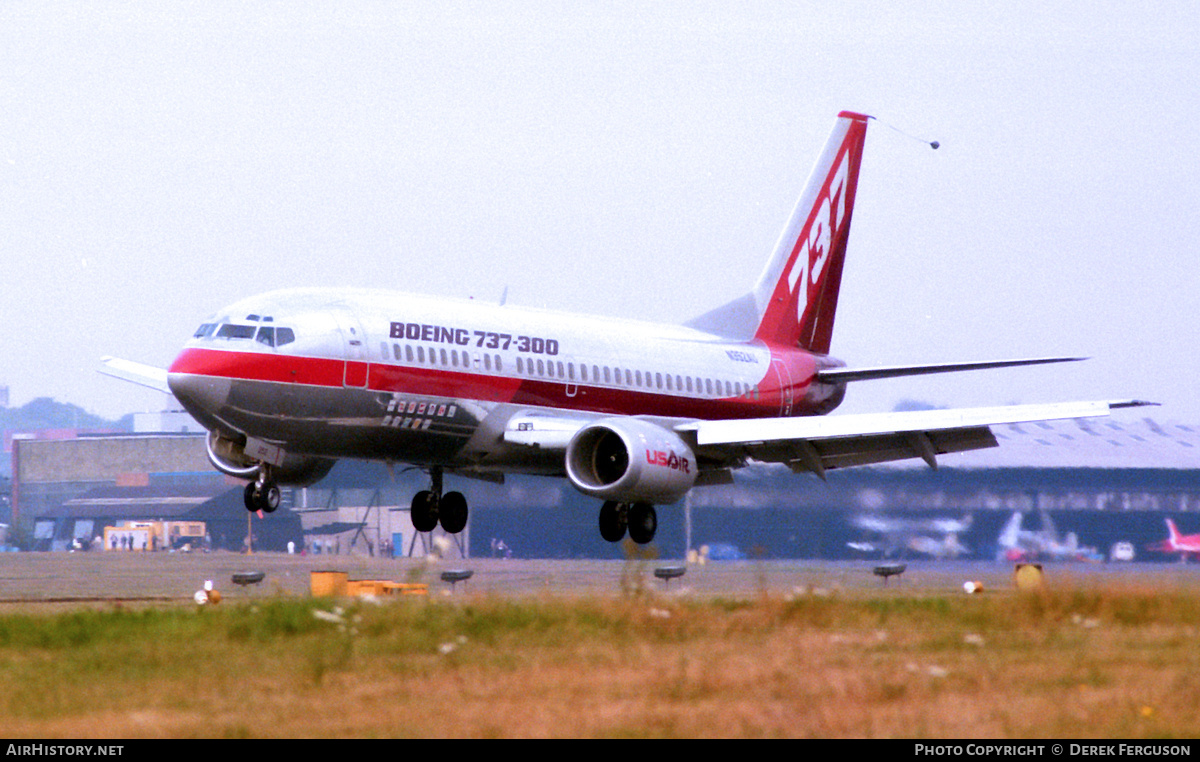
[67,489]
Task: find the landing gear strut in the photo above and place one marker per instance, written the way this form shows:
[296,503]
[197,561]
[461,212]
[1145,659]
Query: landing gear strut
[262,494]
[430,507]
[639,518]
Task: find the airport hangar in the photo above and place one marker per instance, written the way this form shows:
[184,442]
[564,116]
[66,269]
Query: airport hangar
[1110,480]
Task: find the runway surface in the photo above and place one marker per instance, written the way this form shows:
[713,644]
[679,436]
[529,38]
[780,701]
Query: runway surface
[55,580]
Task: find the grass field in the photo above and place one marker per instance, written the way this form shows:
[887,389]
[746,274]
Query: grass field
[1118,661]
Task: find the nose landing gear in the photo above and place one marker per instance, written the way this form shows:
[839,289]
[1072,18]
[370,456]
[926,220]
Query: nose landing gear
[262,494]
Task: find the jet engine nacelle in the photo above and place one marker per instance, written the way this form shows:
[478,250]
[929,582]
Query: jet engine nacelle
[229,457]
[629,460]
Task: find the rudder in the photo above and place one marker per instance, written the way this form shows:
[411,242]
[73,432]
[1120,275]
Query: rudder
[1173,534]
[797,293]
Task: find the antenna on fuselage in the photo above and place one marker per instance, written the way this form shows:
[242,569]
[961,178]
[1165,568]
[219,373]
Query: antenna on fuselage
[504,296]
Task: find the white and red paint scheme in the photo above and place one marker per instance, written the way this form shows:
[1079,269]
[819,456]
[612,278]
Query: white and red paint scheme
[1177,542]
[632,413]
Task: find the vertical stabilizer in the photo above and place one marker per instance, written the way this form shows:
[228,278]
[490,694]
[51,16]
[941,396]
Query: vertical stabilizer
[797,293]
[1011,533]
[1173,535]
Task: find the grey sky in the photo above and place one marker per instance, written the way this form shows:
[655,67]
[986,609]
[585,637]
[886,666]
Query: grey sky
[160,160]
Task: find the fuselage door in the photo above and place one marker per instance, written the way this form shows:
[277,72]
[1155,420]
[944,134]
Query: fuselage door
[354,342]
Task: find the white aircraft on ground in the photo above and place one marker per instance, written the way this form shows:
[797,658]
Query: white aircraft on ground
[633,414]
[937,537]
[1017,544]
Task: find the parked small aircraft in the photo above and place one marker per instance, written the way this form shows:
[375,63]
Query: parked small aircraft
[1183,544]
[1017,544]
[933,537]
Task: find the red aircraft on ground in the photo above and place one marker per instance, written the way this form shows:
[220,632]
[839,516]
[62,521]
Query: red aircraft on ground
[1183,544]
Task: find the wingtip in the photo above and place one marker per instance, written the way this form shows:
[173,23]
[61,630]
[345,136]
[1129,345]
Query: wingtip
[1119,404]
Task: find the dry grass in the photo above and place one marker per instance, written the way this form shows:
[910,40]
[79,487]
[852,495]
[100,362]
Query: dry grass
[1065,663]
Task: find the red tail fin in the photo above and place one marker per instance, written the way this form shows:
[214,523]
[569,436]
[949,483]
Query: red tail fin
[1173,535]
[797,292]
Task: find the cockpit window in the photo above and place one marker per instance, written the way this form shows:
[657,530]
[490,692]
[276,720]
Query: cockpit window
[204,331]
[275,337]
[231,331]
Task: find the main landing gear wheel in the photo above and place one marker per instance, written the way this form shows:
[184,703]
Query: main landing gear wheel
[643,523]
[612,521]
[430,507]
[263,497]
[452,512]
[425,511]
[640,519]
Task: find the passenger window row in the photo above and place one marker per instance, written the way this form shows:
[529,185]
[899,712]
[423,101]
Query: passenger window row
[567,371]
[448,358]
[274,336]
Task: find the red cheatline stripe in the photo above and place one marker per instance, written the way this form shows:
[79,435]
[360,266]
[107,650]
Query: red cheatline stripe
[328,372]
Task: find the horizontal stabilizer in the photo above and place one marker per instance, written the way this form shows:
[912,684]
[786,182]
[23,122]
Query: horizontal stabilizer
[844,375]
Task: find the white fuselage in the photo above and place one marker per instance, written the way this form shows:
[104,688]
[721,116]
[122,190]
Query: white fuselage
[402,377]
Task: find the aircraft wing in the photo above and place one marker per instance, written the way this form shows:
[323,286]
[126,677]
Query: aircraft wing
[135,372]
[818,444]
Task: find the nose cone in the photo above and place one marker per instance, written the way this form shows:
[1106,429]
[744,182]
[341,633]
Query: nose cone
[200,394]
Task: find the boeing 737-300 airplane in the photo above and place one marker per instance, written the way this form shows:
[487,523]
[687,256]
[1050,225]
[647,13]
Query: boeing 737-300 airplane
[633,414]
